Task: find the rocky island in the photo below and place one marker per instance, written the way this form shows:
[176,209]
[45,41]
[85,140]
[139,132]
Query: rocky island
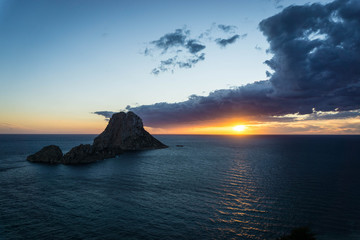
[124,132]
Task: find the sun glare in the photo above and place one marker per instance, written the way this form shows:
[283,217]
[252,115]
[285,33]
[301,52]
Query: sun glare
[239,128]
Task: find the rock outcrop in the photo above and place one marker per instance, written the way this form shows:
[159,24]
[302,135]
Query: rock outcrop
[80,154]
[125,132]
[50,154]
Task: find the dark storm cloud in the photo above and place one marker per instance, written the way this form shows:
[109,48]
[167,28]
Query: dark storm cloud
[315,63]
[184,51]
[316,53]
[223,42]
[253,99]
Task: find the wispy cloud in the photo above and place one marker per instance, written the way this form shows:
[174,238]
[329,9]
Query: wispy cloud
[10,128]
[257,47]
[227,28]
[318,115]
[223,42]
[277,3]
[106,114]
[171,63]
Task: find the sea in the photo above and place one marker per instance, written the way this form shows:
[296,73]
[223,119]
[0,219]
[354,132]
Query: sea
[211,187]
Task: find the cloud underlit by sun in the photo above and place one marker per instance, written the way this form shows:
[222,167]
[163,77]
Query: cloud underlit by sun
[239,128]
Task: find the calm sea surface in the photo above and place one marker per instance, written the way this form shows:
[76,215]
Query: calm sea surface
[215,187]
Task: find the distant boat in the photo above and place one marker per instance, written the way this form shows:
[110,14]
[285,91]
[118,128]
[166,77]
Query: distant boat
[180,145]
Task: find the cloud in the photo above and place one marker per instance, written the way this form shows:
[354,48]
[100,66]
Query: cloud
[330,115]
[170,40]
[319,115]
[10,128]
[180,50]
[192,61]
[171,63]
[193,46]
[6,125]
[223,42]
[251,101]
[186,51]
[277,4]
[227,28]
[106,114]
[257,47]
[316,54]
[316,50]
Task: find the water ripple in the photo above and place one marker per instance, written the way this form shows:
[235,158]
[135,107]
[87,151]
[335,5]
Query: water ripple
[215,187]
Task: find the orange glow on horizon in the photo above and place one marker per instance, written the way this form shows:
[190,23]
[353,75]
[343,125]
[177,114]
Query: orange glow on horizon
[203,130]
[334,126]
[230,126]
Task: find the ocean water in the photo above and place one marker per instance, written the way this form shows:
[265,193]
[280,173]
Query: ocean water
[215,187]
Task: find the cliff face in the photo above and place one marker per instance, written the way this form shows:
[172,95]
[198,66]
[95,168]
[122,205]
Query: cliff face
[124,132]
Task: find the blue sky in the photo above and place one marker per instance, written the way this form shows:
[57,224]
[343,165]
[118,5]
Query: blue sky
[67,59]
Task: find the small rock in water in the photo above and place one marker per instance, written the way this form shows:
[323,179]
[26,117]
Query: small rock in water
[50,154]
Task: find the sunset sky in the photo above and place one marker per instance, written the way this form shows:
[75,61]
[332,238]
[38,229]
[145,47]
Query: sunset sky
[185,67]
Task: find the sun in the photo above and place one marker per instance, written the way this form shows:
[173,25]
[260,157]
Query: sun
[239,128]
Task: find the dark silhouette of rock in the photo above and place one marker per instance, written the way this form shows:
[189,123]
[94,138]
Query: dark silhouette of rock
[125,132]
[80,154]
[50,154]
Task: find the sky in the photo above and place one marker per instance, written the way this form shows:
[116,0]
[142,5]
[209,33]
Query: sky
[185,67]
